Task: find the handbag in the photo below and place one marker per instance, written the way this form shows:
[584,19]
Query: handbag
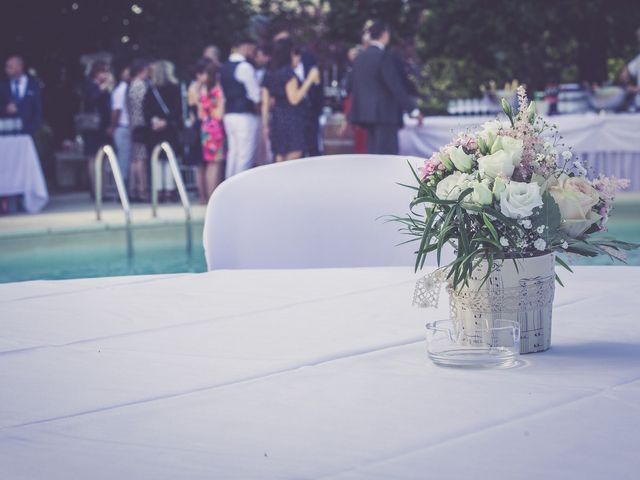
[87,122]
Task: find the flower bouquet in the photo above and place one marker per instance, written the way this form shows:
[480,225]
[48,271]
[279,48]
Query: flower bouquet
[506,198]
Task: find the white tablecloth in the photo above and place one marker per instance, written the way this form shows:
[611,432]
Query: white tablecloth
[21,173]
[609,143]
[306,374]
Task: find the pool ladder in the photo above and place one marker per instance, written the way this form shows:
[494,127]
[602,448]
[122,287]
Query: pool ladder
[107,151]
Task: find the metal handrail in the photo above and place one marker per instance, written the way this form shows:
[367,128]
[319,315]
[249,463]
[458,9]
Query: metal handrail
[175,171]
[115,169]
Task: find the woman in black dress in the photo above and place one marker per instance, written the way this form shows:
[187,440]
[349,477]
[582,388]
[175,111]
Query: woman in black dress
[162,108]
[282,97]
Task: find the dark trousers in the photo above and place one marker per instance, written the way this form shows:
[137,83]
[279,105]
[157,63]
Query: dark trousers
[382,139]
[311,134]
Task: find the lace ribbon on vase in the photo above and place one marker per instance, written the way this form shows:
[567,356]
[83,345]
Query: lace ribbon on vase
[531,294]
[427,291]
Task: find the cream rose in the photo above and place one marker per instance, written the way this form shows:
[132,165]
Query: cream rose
[518,199]
[576,199]
[496,164]
[450,187]
[461,160]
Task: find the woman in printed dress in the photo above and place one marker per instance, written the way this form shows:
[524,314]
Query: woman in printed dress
[213,138]
[138,168]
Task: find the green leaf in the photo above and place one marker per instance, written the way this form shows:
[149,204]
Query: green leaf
[408,186]
[464,193]
[563,264]
[462,230]
[483,239]
[491,228]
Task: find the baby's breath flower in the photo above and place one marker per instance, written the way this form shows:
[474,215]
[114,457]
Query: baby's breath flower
[540,244]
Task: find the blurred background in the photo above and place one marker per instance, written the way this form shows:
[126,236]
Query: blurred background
[460,57]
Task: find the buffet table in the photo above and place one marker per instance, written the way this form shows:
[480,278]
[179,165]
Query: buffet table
[21,173]
[609,143]
[305,374]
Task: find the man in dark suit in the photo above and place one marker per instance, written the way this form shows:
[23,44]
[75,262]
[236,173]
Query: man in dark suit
[380,95]
[20,96]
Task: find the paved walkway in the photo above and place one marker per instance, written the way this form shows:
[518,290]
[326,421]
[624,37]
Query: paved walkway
[71,211]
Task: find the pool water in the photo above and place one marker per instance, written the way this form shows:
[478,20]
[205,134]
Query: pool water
[101,253]
[165,249]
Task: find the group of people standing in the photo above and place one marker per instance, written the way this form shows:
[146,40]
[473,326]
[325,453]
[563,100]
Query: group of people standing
[143,110]
[261,104]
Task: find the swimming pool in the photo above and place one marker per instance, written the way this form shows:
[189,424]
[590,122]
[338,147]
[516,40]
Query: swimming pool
[165,249]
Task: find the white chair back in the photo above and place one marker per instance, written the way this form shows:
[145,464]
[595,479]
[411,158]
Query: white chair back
[312,213]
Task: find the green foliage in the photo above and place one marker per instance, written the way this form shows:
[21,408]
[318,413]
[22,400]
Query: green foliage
[346,18]
[470,229]
[463,44]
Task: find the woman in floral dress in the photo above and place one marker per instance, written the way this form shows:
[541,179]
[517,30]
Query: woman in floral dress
[212,131]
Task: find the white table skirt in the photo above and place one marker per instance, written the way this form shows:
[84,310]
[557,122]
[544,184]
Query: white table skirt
[21,173]
[609,143]
[306,374]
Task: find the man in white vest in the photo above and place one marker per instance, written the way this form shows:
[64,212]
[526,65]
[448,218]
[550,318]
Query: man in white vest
[242,96]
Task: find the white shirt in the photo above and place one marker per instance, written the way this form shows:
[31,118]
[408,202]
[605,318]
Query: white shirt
[119,102]
[22,85]
[299,71]
[634,68]
[376,43]
[246,74]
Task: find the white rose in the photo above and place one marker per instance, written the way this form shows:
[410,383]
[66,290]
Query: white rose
[496,164]
[490,131]
[519,199]
[511,146]
[576,199]
[461,160]
[450,187]
[481,193]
